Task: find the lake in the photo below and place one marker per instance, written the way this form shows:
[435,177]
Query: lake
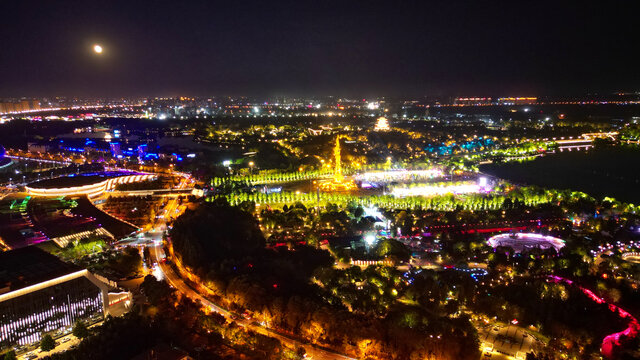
[611,171]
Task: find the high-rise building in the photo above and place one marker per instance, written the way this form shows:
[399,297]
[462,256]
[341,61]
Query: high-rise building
[20,106]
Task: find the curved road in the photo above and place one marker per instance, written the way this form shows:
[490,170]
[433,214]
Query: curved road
[172,210]
[176,281]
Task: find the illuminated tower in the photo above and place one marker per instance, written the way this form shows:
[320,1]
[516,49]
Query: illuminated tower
[337,171]
[338,182]
[382,124]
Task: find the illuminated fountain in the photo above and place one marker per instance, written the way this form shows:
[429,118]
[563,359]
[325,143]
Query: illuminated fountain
[338,182]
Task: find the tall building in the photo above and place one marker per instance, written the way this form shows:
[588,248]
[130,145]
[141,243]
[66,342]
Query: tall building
[21,106]
[115,149]
[40,294]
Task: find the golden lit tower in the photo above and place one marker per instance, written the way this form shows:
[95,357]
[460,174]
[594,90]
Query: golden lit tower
[337,171]
[382,124]
[338,183]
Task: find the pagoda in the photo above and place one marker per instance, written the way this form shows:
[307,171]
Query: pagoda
[338,181]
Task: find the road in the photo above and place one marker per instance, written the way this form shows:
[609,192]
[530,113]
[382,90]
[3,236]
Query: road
[162,270]
[152,192]
[176,281]
[153,239]
[172,209]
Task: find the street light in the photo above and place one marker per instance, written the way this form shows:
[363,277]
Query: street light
[227,164]
[369,239]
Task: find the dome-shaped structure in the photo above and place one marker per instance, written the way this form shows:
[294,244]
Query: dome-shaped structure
[522,242]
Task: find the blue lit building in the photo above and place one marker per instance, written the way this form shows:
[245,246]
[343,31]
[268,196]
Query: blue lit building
[3,161]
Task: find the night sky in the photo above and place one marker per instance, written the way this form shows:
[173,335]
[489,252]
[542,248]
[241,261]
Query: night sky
[345,48]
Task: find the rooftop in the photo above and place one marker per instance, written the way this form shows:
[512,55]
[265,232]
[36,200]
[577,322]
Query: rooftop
[28,266]
[78,180]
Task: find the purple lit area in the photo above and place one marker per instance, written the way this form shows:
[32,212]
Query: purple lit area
[521,242]
[616,340]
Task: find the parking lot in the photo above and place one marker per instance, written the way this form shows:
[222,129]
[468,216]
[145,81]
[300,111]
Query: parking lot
[62,344]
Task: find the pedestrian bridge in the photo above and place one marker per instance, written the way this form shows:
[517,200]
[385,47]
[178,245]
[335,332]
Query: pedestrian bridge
[153,192]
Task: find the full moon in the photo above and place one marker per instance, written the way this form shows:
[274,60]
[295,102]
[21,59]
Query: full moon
[97,49]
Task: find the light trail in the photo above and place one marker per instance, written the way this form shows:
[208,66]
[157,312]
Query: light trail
[612,341]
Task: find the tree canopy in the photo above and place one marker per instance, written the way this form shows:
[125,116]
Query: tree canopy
[80,330]
[213,232]
[47,343]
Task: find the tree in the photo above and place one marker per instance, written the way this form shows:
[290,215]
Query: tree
[80,330]
[392,247]
[11,355]
[47,343]
[214,232]
[154,290]
[531,356]
[127,262]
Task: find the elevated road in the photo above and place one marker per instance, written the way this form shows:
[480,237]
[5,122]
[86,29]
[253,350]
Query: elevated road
[152,192]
